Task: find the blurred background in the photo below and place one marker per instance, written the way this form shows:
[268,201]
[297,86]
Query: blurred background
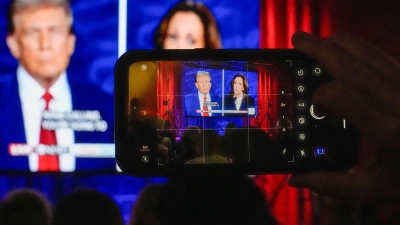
[104,30]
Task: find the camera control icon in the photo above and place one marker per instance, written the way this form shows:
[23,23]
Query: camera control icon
[317,71]
[300,72]
[302,136]
[301,120]
[145,159]
[301,104]
[314,115]
[302,153]
[300,88]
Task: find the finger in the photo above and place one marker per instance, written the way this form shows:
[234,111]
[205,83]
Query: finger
[380,96]
[324,183]
[383,81]
[362,187]
[374,122]
[362,50]
[324,51]
[334,54]
[339,63]
[375,72]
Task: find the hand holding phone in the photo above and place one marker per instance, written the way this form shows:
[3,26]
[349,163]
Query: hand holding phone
[246,111]
[366,82]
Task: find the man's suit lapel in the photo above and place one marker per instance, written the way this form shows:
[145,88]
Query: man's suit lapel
[11,111]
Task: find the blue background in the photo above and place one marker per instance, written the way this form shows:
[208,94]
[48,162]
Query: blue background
[237,21]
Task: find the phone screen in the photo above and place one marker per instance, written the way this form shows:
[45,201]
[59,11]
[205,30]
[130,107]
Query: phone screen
[222,111]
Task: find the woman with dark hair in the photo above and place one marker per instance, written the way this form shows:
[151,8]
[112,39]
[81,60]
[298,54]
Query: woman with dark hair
[238,100]
[187,25]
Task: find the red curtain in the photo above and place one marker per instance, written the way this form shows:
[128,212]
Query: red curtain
[168,87]
[279,20]
[267,101]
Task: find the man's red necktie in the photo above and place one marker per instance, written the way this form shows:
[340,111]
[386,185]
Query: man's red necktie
[205,108]
[48,137]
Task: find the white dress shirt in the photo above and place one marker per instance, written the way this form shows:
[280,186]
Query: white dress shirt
[201,100]
[33,105]
[238,101]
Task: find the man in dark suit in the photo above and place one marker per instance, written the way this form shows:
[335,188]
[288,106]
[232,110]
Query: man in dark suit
[41,38]
[202,103]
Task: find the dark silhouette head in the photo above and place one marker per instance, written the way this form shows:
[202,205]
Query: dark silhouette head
[145,209]
[25,207]
[212,199]
[87,207]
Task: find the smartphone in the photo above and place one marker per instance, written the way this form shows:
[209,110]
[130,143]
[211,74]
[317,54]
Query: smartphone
[237,111]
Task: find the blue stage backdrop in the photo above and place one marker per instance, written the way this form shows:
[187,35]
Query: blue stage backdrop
[237,21]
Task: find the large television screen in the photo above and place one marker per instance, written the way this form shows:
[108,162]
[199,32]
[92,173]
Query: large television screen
[79,116]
